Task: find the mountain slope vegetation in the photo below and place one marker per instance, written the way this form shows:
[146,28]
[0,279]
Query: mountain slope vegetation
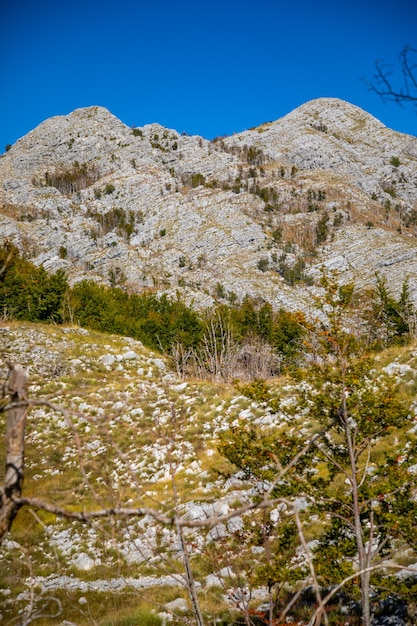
[219,338]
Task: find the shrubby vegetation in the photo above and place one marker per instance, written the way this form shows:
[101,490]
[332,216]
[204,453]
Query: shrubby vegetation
[156,320]
[69,180]
[28,292]
[340,461]
[353,492]
[233,335]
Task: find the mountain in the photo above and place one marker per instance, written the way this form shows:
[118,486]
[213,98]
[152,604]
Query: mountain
[254,213]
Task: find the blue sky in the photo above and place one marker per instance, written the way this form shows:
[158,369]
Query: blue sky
[207,68]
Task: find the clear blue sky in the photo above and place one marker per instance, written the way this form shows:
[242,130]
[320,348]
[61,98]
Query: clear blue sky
[207,68]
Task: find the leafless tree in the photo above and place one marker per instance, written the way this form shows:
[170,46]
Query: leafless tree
[405,91]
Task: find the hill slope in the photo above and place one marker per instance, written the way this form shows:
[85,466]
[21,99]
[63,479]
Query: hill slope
[150,208]
[119,429]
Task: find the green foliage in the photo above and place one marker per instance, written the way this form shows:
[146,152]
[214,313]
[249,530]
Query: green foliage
[388,320]
[256,390]
[294,273]
[116,276]
[109,188]
[390,189]
[115,219]
[254,156]
[268,194]
[322,229]
[197,180]
[282,329]
[277,235]
[395,161]
[157,321]
[263,264]
[28,292]
[359,476]
[220,292]
[137,132]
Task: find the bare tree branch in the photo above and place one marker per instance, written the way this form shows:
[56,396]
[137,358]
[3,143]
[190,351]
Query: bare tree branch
[383,85]
[17,409]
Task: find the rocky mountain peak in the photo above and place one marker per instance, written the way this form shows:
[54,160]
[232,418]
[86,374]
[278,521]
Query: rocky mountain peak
[255,213]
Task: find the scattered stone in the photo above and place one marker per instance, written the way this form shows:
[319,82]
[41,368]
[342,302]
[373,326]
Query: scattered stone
[179,604]
[84,562]
[212,580]
[107,360]
[130,355]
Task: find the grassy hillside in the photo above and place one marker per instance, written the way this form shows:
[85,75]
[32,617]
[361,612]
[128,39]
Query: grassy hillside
[130,433]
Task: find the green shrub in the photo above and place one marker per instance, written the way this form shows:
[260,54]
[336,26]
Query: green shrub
[158,322]
[69,180]
[197,180]
[322,229]
[263,264]
[277,234]
[109,188]
[395,161]
[220,292]
[28,292]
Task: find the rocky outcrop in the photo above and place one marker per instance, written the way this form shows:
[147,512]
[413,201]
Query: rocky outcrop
[149,207]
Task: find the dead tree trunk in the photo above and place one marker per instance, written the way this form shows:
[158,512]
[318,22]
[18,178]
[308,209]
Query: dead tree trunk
[16,389]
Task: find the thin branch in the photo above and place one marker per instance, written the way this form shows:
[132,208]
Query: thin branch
[340,586]
[309,557]
[383,86]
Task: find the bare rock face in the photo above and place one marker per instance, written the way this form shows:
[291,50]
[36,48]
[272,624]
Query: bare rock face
[256,213]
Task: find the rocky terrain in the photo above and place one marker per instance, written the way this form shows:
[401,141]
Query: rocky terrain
[257,213]
[133,427]
[120,428]
[150,208]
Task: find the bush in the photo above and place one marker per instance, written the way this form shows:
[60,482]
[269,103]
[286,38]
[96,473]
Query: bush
[158,322]
[263,264]
[277,235]
[322,229]
[197,180]
[28,292]
[109,188]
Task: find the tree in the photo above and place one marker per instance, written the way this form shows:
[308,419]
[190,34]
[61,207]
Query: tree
[406,91]
[359,481]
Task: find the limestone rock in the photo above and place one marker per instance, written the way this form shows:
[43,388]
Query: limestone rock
[149,207]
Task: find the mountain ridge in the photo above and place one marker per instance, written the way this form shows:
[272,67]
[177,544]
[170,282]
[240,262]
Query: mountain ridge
[167,211]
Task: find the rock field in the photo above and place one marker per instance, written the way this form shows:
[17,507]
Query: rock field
[156,209]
